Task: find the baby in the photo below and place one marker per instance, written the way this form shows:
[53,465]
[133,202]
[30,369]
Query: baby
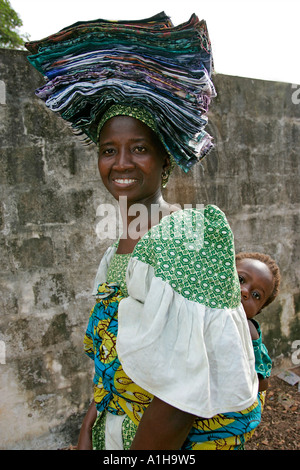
[259,278]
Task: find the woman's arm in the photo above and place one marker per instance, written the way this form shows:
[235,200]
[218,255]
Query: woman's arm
[85,436]
[162,427]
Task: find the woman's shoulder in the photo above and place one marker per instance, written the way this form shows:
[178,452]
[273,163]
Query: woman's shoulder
[186,229]
[183,219]
[207,216]
[192,249]
[103,266]
[210,210]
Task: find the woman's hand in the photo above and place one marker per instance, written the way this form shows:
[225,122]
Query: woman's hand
[85,436]
[162,427]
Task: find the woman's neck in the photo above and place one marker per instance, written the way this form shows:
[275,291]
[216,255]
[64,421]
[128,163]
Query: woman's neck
[139,218]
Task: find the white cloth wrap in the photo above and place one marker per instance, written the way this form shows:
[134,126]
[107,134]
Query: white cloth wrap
[196,358]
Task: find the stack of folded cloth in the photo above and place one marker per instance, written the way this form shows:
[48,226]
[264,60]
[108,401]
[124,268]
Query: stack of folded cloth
[90,66]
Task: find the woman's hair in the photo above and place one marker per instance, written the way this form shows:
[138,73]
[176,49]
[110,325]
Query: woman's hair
[273,267]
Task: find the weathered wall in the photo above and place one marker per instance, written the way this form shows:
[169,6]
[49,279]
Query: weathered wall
[50,191]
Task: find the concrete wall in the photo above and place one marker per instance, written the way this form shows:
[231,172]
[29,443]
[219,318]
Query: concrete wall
[50,192]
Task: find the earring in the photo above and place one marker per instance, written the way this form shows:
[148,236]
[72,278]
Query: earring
[164,178]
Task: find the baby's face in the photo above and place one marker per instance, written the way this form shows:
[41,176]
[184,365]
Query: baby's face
[256,282]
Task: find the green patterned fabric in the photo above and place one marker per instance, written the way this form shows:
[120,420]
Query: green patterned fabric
[128,432]
[185,259]
[136,112]
[98,432]
[263,362]
[117,271]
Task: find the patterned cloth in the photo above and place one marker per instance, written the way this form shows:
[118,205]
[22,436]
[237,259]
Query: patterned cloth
[134,111]
[90,66]
[117,271]
[263,362]
[115,392]
[197,256]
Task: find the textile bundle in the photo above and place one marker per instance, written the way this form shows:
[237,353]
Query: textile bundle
[90,66]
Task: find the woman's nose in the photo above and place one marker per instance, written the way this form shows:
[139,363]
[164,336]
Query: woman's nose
[123,160]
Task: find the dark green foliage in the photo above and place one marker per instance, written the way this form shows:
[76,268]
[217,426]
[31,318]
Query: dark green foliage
[9,24]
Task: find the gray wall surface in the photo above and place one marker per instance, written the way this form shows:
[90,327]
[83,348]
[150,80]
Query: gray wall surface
[51,246]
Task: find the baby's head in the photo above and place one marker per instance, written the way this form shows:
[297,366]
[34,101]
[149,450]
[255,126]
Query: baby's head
[259,278]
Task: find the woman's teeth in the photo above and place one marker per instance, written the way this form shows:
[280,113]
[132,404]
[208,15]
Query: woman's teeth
[124,181]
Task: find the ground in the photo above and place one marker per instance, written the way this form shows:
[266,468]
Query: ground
[280,425]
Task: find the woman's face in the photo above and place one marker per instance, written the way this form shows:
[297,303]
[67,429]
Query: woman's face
[131,160]
[257,284]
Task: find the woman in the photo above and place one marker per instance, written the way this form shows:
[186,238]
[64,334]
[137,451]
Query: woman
[174,364]
[132,162]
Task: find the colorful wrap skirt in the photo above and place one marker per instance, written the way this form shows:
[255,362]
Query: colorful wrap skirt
[116,393]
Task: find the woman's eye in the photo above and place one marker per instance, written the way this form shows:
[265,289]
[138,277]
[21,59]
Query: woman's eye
[107,152]
[241,279]
[140,149]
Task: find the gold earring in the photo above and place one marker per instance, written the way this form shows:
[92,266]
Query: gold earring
[164,179]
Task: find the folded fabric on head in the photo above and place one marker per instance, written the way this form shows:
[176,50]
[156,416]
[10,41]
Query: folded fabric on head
[90,66]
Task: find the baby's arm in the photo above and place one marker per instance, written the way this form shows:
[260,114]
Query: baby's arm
[263,384]
[253,331]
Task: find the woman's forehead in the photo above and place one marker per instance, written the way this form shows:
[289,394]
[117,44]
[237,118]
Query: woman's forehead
[120,127]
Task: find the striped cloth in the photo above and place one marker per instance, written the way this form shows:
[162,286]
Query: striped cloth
[90,66]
